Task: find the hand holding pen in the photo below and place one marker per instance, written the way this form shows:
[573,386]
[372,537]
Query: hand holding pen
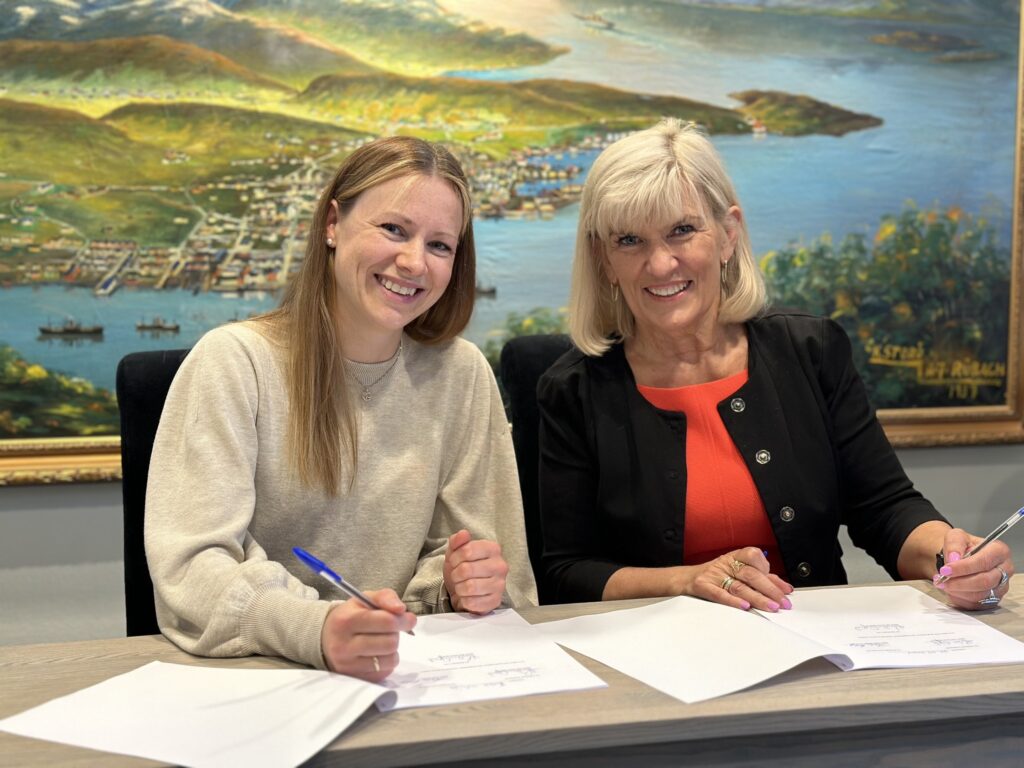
[360,636]
[982,573]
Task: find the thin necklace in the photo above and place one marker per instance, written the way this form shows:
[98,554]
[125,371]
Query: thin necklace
[367,393]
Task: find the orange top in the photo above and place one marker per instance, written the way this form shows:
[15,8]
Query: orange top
[724,511]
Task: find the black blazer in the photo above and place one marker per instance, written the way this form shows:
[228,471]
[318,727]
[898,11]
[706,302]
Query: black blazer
[613,467]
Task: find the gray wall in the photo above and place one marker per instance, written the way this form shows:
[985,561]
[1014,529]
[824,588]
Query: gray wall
[60,546]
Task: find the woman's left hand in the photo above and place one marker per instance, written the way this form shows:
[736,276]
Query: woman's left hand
[978,581]
[474,573]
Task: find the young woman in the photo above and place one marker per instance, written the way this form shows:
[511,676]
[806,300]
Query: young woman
[351,422]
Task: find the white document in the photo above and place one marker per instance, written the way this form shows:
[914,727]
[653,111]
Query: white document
[695,650]
[898,626]
[202,716]
[688,648]
[258,718]
[456,657]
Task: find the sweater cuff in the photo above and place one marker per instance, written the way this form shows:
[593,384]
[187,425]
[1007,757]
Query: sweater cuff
[435,598]
[281,623]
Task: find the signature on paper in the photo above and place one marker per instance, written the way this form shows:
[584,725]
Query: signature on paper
[453,659]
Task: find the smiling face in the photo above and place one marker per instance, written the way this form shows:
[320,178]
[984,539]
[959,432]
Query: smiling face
[394,254]
[669,270]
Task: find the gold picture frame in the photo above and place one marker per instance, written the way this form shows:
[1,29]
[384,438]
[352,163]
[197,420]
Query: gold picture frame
[93,459]
[60,460]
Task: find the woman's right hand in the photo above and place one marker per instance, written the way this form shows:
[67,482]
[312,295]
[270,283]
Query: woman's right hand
[363,642]
[741,578]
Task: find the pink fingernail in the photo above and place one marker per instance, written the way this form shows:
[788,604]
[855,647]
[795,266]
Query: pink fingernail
[941,586]
[745,605]
[786,604]
[954,556]
[946,570]
[773,606]
[935,578]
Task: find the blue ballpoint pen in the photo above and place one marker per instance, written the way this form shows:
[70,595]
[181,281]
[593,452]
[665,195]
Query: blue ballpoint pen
[320,567]
[999,531]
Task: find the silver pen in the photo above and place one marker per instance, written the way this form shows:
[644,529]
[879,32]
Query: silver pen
[1011,521]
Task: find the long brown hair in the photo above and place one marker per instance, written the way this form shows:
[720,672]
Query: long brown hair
[321,425]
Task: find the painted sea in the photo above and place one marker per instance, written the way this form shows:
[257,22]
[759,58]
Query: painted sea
[947,139]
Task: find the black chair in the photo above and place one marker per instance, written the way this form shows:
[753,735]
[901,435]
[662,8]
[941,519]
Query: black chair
[523,360]
[143,379]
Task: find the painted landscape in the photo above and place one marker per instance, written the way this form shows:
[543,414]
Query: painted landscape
[159,162]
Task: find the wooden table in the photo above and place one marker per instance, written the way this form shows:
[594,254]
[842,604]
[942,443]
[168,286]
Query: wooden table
[813,715]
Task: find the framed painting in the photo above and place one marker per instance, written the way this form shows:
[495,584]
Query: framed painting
[159,164]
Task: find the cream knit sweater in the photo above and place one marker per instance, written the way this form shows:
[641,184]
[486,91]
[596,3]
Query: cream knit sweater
[224,508]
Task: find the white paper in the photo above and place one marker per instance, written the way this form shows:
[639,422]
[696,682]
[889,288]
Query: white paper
[694,650]
[690,649]
[456,658]
[896,626]
[203,716]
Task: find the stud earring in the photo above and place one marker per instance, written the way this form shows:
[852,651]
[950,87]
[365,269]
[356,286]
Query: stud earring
[330,242]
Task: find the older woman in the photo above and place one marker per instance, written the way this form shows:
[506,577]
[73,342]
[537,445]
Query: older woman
[351,422]
[696,444]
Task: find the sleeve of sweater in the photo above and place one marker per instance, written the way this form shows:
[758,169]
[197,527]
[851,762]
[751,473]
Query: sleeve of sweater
[479,492]
[216,592]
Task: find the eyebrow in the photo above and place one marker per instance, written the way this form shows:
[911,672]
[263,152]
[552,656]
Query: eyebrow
[403,219]
[694,218]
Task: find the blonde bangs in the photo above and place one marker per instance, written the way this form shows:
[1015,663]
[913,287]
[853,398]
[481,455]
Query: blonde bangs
[649,198]
[641,181]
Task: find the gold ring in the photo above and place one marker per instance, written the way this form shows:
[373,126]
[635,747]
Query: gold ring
[728,582]
[376,664]
[737,566]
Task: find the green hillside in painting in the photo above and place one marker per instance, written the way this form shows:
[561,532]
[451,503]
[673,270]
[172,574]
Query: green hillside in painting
[467,105]
[97,76]
[137,63]
[159,146]
[413,38]
[66,147]
[793,115]
[154,143]
[638,109]
[213,136]
[274,51]
[291,42]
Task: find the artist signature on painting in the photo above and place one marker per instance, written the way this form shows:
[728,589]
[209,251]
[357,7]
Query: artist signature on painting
[962,378]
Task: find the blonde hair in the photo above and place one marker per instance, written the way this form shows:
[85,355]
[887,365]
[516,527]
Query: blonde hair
[321,426]
[636,181]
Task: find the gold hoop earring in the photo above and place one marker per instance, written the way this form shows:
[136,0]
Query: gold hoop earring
[615,292]
[724,275]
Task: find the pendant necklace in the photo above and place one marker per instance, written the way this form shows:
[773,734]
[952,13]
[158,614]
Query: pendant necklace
[367,386]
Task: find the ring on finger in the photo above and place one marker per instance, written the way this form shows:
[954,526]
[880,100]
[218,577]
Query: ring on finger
[737,566]
[990,601]
[727,584]
[376,664]
[1003,578]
